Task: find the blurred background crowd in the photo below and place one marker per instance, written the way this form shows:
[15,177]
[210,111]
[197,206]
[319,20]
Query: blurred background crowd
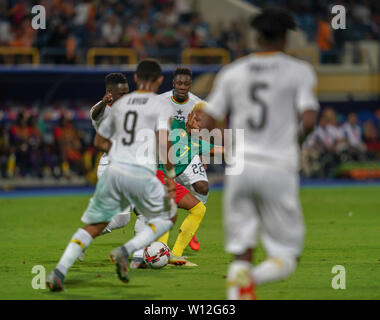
[314,17]
[53,137]
[159,28]
[163,28]
[57,142]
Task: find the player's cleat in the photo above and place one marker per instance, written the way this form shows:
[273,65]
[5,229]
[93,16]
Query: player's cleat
[55,281]
[245,287]
[180,261]
[138,263]
[119,256]
[106,230]
[194,244]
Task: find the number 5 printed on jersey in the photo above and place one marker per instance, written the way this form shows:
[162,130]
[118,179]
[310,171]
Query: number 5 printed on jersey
[259,105]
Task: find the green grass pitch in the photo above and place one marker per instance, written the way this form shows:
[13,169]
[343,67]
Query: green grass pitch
[342,224]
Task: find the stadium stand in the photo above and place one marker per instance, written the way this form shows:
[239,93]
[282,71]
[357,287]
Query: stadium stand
[45,130]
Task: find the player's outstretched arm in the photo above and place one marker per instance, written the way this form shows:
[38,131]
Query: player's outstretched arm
[217,150]
[102,143]
[98,108]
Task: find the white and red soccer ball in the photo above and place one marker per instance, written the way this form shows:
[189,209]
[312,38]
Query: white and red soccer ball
[157,255]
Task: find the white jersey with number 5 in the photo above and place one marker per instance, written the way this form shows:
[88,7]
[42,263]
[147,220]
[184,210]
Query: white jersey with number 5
[131,125]
[180,110]
[264,93]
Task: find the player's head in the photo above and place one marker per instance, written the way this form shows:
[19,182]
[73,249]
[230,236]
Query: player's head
[148,75]
[194,116]
[272,25]
[182,79]
[116,84]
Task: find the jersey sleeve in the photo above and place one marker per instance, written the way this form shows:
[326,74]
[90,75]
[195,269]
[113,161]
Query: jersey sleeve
[96,122]
[305,96]
[163,110]
[218,99]
[107,126]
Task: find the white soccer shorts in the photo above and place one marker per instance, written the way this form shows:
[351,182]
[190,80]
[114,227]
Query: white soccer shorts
[193,173]
[263,201]
[119,187]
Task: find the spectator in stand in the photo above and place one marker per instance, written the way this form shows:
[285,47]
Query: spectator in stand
[353,135]
[19,138]
[34,147]
[112,31]
[325,40]
[377,115]
[371,139]
[231,40]
[69,144]
[4,151]
[323,146]
[340,141]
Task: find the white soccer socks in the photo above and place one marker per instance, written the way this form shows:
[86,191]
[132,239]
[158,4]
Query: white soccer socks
[139,225]
[119,221]
[80,241]
[148,233]
[273,269]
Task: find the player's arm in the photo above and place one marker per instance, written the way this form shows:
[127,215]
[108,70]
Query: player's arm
[102,143]
[98,108]
[218,101]
[306,102]
[102,140]
[164,150]
[307,125]
[217,150]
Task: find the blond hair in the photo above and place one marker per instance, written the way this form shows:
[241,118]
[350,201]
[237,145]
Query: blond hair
[200,105]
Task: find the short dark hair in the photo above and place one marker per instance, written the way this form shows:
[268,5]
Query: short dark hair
[273,23]
[182,70]
[149,70]
[114,78]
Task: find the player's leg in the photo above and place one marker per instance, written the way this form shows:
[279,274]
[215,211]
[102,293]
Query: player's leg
[119,221]
[123,218]
[138,255]
[282,225]
[80,240]
[190,224]
[149,197]
[104,204]
[241,222]
[185,200]
[195,179]
[161,176]
[201,191]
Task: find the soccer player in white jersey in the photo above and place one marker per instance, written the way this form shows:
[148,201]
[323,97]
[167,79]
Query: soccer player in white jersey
[264,93]
[134,125]
[116,87]
[182,102]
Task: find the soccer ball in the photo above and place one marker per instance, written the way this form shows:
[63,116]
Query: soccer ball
[157,255]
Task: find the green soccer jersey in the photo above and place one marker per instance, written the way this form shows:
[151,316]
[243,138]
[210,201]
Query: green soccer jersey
[184,147]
